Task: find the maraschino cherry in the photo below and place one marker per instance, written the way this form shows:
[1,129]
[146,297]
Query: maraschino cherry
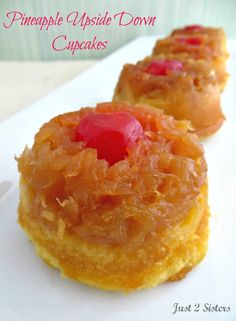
[110,134]
[161,67]
[193,28]
[194,41]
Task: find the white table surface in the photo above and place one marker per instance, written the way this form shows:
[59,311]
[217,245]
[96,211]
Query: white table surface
[22,83]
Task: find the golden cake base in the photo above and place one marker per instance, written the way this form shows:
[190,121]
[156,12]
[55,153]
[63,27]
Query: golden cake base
[116,268]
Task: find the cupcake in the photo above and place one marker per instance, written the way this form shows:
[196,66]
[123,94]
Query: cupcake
[183,88]
[197,47]
[116,196]
[197,30]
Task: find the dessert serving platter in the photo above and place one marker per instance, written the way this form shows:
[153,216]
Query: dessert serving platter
[29,290]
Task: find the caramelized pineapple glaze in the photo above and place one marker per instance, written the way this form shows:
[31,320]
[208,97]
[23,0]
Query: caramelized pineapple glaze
[134,224]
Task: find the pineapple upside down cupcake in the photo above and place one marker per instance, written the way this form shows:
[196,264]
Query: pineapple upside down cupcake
[116,196]
[196,47]
[185,89]
[217,34]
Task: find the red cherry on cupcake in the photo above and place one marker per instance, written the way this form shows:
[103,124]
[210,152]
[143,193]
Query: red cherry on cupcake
[193,28]
[110,134]
[161,67]
[194,41]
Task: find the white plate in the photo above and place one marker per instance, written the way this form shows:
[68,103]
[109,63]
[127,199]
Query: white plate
[30,291]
